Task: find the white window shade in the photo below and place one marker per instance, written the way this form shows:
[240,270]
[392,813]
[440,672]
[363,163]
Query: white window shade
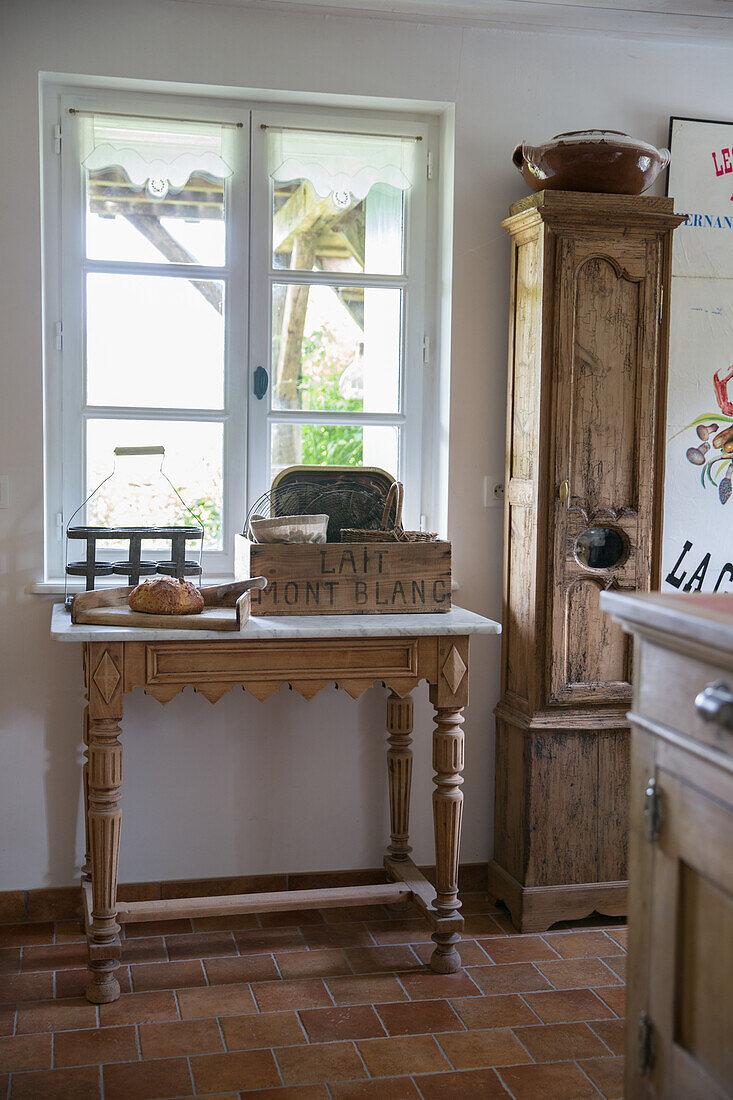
[161,154]
[341,163]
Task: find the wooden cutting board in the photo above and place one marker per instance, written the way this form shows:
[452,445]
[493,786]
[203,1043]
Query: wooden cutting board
[226,607]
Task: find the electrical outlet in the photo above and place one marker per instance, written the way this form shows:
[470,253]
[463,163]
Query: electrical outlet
[493,490]
[4,490]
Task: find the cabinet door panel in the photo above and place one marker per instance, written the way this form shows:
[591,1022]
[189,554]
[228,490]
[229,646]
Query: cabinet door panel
[564,781]
[602,659]
[601,426]
[605,389]
[613,804]
[692,944]
[524,411]
[519,674]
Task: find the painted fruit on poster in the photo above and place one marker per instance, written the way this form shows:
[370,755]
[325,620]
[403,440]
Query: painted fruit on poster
[698,504]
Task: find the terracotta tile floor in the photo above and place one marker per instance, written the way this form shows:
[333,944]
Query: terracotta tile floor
[337,1007]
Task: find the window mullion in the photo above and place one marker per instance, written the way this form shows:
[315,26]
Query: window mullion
[174,271]
[143,412]
[291,277]
[71,236]
[313,416]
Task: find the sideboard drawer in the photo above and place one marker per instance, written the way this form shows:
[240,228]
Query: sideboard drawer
[668,686]
[168,663]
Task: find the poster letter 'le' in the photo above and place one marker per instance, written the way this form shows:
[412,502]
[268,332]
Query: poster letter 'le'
[698,501]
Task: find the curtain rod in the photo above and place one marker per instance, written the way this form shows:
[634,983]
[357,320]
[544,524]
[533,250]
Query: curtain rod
[162,118]
[346,133]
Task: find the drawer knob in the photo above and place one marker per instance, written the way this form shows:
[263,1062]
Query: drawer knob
[715,704]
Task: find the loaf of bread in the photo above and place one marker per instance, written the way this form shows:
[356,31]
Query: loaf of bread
[166,596]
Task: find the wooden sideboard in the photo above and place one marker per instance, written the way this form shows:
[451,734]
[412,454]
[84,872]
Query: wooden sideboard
[679,1040]
[584,458]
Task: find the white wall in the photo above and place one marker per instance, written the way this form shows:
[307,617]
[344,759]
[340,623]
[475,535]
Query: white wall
[247,787]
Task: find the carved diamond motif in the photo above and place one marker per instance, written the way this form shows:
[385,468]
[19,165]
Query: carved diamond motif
[106,677]
[454,669]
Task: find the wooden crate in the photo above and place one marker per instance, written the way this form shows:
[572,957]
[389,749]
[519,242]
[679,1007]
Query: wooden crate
[355,578]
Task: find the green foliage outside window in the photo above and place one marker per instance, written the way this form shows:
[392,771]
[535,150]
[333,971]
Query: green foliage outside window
[323,444]
[208,514]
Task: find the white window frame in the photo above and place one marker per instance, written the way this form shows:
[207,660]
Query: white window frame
[250,275]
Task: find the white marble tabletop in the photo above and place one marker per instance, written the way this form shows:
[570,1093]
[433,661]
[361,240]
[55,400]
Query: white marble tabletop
[457,621]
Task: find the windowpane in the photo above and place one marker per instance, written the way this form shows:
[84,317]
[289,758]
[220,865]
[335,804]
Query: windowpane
[338,198]
[350,234]
[125,223]
[333,445]
[155,188]
[138,494]
[336,349]
[154,341]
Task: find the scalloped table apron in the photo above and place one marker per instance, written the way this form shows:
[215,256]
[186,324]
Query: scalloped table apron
[307,652]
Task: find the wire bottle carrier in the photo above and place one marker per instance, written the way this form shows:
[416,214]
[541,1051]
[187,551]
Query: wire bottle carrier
[134,565]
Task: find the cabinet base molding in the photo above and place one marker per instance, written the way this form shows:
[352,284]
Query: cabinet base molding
[554,719]
[536,908]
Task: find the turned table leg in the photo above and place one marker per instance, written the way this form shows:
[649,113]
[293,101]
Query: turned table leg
[449,696]
[86,869]
[104,818]
[447,815]
[399,770]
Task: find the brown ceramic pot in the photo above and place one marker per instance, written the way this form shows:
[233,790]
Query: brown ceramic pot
[591,160]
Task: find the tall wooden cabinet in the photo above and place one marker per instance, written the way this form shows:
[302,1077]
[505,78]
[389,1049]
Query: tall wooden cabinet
[585,451]
[679,1006]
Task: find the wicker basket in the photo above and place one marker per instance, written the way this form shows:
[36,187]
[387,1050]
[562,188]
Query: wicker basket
[385,533]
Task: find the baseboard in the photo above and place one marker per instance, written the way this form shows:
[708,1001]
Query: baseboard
[64,902]
[536,908]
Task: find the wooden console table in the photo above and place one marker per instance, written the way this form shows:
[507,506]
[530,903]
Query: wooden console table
[307,652]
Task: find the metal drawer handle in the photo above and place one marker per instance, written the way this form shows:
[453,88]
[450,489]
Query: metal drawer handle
[653,813]
[715,704]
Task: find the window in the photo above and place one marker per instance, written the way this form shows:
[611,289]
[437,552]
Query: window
[243,286]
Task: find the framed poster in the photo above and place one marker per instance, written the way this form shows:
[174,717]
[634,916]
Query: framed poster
[698,498]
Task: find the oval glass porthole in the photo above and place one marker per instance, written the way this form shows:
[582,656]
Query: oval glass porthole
[600,548]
